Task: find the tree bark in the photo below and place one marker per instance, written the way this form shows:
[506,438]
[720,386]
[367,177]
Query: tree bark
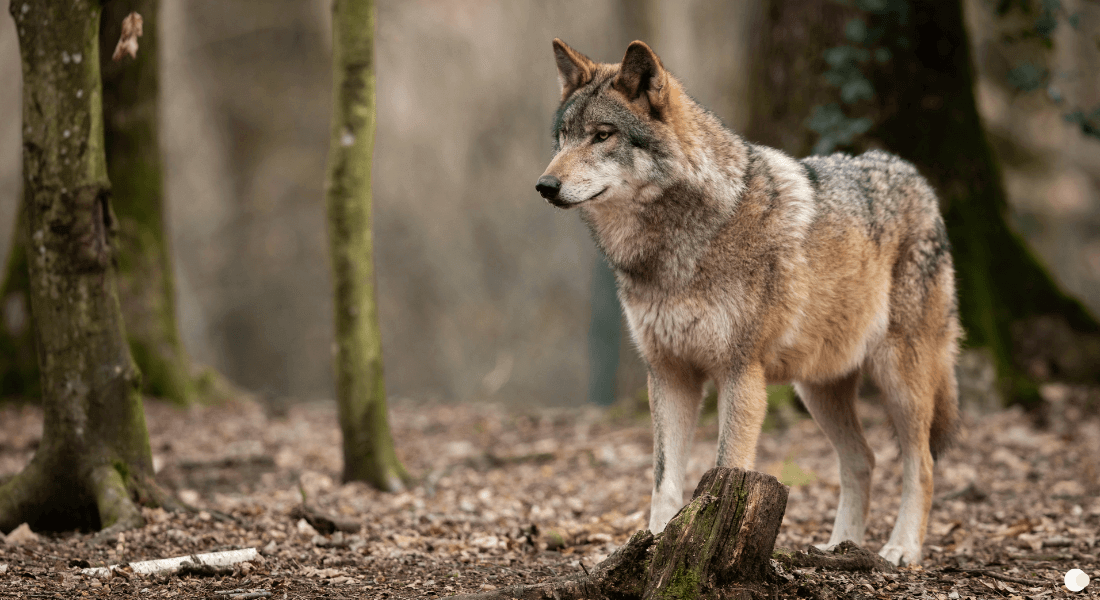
[145,276]
[924,110]
[360,388]
[718,546]
[19,376]
[94,455]
[146,287]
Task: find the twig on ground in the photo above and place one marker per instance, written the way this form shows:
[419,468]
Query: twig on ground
[995,575]
[322,522]
[191,562]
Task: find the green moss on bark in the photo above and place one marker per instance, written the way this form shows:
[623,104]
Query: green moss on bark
[146,286]
[94,454]
[924,110]
[360,388]
[143,260]
[19,376]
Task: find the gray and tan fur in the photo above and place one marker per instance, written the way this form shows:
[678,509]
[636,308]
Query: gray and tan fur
[739,264]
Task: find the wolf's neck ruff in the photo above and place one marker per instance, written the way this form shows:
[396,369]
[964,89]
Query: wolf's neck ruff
[679,192]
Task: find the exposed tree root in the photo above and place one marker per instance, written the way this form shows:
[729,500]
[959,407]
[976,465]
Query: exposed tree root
[117,512]
[107,499]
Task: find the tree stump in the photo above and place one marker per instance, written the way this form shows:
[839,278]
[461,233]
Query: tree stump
[717,547]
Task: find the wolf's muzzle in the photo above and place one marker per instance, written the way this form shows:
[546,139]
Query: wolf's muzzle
[548,186]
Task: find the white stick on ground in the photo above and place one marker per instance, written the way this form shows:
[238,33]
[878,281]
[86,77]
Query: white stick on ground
[149,567]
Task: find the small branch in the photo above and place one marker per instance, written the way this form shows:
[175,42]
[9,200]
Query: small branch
[995,575]
[322,522]
[209,559]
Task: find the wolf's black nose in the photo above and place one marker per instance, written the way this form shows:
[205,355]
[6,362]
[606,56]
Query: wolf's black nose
[548,186]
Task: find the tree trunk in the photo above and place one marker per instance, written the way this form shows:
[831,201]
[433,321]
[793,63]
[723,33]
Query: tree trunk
[718,546]
[360,389]
[19,376]
[145,277]
[94,455]
[603,334]
[146,287]
[924,110]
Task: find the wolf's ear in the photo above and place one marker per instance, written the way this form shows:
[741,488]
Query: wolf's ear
[642,76]
[574,68]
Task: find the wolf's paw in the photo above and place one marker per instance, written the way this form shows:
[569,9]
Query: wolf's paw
[900,555]
[826,547]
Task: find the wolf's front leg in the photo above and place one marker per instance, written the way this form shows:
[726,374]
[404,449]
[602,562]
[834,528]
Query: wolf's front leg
[742,405]
[674,401]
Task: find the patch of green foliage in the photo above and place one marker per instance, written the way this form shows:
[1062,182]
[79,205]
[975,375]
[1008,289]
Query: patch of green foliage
[1044,18]
[872,36]
[869,40]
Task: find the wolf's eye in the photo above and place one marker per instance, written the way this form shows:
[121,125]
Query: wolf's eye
[602,136]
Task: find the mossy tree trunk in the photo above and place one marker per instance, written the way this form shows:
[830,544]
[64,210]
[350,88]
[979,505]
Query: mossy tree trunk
[931,118]
[19,377]
[145,277]
[146,287]
[924,110]
[360,388]
[94,456]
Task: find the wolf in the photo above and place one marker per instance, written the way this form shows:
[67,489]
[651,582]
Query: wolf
[738,264]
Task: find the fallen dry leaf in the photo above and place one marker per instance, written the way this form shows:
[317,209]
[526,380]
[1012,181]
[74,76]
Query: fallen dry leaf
[127,42]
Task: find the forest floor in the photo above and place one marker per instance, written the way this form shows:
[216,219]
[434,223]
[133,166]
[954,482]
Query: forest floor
[507,496]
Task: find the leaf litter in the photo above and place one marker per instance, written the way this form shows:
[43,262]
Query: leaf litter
[507,496]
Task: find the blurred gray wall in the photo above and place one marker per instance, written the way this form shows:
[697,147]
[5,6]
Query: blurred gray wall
[484,289]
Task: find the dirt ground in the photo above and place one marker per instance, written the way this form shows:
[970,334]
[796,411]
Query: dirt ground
[507,496]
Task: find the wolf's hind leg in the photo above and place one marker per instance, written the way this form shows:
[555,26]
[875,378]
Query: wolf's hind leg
[674,401]
[833,406]
[907,383]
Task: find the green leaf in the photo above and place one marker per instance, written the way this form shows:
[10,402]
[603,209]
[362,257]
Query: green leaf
[1089,124]
[856,30]
[1027,77]
[875,6]
[856,90]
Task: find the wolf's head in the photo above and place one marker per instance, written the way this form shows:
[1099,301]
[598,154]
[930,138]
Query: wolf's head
[614,126]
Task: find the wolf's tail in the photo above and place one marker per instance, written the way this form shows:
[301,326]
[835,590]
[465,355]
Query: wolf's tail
[945,415]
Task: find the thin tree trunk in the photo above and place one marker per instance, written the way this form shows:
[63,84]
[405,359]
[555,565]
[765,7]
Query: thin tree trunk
[613,363]
[145,276]
[145,283]
[19,377]
[924,110]
[360,388]
[604,330]
[94,455]
[1001,283]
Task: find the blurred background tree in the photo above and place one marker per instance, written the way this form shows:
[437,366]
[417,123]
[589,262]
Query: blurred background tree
[360,386]
[898,74]
[146,284]
[94,460]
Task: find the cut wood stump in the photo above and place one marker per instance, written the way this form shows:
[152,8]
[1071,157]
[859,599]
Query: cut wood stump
[719,546]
